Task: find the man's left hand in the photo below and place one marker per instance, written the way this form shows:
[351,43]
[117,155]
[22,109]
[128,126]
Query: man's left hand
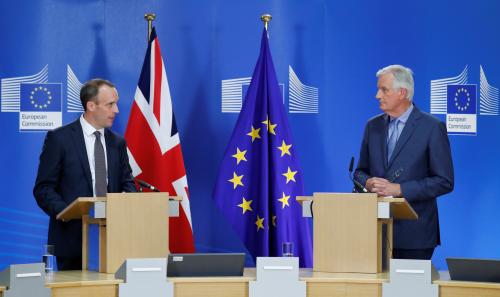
[385,188]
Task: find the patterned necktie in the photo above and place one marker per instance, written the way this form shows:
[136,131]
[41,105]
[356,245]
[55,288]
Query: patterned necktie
[393,138]
[100,167]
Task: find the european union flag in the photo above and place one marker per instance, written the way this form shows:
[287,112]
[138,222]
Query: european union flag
[461,99]
[40,97]
[260,176]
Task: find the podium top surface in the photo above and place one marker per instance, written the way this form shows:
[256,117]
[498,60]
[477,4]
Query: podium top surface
[78,208]
[400,208]
[82,205]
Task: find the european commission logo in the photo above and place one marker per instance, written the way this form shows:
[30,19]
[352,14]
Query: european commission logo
[301,98]
[38,102]
[456,98]
[40,106]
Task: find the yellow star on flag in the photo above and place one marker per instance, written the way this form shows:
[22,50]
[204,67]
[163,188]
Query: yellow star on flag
[284,200]
[270,126]
[285,148]
[274,221]
[236,180]
[259,223]
[254,133]
[290,175]
[240,155]
[245,205]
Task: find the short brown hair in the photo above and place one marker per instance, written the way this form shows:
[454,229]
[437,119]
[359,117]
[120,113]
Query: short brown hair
[90,89]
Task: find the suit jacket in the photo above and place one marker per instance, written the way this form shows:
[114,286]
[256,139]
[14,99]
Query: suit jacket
[64,175]
[421,163]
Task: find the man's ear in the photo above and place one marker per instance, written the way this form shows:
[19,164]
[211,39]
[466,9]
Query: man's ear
[403,93]
[91,105]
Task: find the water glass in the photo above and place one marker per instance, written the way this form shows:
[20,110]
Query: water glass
[48,258]
[287,250]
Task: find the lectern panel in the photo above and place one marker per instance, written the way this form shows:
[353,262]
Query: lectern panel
[345,232]
[137,227]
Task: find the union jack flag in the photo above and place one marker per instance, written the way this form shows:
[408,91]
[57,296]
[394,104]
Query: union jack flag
[154,146]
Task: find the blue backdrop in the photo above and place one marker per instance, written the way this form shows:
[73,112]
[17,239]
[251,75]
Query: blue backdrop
[330,49]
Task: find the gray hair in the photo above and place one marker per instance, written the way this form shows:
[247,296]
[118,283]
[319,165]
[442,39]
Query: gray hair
[403,78]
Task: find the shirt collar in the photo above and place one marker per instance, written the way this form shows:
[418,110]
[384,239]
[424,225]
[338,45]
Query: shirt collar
[404,117]
[87,128]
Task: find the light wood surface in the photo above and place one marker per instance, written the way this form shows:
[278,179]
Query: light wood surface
[83,284]
[136,227]
[400,208]
[348,235]
[345,233]
[78,208]
[319,284]
[85,242]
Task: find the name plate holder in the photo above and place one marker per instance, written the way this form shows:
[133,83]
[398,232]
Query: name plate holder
[24,280]
[144,277]
[411,278]
[277,276]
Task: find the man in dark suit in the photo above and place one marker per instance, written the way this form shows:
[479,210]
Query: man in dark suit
[406,153]
[81,159]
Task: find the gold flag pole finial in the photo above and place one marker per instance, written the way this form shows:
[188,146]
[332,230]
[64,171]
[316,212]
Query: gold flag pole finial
[266,18]
[150,17]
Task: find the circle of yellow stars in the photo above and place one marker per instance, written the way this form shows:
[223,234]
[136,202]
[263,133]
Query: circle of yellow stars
[240,155]
[33,99]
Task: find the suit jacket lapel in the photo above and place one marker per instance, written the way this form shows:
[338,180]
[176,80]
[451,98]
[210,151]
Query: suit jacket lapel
[110,155]
[383,141]
[81,151]
[408,130]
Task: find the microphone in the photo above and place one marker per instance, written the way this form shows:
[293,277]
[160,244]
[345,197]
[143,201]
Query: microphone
[146,185]
[358,186]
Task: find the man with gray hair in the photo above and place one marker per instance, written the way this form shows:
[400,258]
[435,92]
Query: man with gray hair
[406,153]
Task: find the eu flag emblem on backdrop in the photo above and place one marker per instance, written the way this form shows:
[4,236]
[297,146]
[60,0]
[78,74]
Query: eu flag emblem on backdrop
[260,176]
[461,99]
[40,97]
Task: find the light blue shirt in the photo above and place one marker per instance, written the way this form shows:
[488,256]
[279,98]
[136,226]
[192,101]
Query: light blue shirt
[401,123]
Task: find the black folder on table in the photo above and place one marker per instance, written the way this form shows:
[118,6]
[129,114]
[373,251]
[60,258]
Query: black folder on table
[205,264]
[476,270]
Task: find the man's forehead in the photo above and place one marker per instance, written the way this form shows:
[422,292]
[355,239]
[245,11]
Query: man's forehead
[385,79]
[108,93]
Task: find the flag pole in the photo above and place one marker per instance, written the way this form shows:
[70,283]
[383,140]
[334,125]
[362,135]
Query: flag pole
[150,17]
[266,18]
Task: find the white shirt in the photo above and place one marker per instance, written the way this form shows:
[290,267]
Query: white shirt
[89,137]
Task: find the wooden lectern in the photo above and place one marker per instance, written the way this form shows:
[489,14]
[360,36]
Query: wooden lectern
[348,230]
[135,225]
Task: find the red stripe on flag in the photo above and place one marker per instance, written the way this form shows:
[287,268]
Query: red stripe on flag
[180,239]
[161,171]
[158,76]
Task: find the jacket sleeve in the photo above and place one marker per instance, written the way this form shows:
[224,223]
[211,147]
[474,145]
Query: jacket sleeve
[127,180]
[48,177]
[440,177]
[362,172]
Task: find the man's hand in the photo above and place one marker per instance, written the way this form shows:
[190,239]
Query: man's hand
[383,187]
